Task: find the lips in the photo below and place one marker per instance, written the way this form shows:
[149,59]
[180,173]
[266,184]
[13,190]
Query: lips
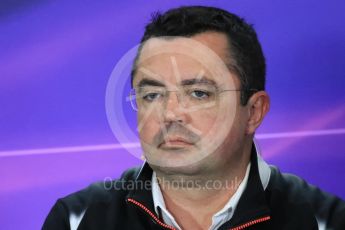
[175,142]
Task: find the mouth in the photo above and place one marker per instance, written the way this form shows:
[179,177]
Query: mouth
[175,143]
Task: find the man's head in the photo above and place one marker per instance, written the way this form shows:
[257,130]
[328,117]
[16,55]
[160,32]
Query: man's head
[199,78]
[245,56]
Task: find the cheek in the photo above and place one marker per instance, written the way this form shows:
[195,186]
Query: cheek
[220,126]
[237,131]
[202,122]
[148,127]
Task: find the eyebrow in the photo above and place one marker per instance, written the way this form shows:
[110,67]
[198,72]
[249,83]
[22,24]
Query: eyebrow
[187,82]
[195,81]
[150,82]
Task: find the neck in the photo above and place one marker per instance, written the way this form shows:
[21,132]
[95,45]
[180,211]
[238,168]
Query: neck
[187,195]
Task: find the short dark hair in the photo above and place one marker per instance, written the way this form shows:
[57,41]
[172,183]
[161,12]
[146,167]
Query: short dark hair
[248,61]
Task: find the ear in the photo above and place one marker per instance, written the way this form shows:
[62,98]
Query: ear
[258,105]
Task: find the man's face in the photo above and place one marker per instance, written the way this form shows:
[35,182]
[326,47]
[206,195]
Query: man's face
[189,115]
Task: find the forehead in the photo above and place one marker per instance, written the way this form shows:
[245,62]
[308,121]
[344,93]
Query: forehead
[173,59]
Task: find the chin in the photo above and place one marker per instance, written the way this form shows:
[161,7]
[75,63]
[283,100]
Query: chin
[177,165]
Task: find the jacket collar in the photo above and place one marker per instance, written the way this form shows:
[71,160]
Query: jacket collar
[252,204]
[142,192]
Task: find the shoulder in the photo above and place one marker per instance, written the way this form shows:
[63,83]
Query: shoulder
[298,189]
[289,184]
[71,208]
[329,210]
[102,191]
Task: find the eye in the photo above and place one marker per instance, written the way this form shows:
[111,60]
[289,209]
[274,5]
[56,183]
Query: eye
[151,96]
[200,94]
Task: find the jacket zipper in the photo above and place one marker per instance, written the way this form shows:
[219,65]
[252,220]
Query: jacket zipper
[151,214]
[250,223]
[240,227]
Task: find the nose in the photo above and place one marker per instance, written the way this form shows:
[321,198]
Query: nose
[173,110]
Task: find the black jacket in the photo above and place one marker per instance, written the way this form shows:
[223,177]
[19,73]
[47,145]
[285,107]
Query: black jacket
[287,203]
